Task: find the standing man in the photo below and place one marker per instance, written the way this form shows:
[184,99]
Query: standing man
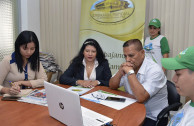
[143,78]
[183,64]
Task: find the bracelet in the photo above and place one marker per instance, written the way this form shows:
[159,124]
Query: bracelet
[76,83]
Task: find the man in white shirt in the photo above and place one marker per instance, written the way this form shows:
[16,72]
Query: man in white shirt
[183,64]
[143,78]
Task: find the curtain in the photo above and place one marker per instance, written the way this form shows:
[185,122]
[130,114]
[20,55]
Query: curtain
[59,24]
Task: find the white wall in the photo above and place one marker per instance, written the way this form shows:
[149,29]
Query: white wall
[30,16]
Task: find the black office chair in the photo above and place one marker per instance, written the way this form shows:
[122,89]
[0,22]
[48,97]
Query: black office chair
[173,101]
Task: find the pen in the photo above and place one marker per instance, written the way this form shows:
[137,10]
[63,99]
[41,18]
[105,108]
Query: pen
[13,85]
[108,124]
[99,120]
[33,92]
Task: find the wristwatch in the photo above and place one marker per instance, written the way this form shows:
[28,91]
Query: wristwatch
[130,72]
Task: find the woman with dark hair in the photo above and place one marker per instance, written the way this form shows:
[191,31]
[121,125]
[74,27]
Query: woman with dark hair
[23,68]
[156,45]
[89,68]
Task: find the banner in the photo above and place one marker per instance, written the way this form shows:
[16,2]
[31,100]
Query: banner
[111,23]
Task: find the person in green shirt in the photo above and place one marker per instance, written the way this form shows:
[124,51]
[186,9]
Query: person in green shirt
[183,64]
[156,45]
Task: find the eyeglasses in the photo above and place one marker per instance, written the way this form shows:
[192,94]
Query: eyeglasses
[98,95]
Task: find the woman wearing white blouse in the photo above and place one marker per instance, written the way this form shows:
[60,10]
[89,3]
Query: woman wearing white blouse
[89,68]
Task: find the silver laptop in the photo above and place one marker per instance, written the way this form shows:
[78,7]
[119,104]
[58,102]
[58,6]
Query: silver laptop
[64,105]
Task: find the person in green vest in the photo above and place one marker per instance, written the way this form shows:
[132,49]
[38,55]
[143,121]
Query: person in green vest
[183,64]
[156,45]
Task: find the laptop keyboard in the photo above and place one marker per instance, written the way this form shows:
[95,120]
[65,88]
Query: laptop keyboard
[91,118]
[90,122]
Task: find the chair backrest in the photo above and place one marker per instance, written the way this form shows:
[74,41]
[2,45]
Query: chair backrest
[174,104]
[173,96]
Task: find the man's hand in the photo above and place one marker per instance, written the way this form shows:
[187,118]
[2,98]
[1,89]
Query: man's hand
[127,66]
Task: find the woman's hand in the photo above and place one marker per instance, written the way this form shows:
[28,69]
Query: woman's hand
[84,83]
[19,83]
[14,90]
[87,83]
[25,83]
[94,83]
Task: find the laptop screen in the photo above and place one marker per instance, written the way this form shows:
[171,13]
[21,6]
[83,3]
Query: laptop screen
[64,105]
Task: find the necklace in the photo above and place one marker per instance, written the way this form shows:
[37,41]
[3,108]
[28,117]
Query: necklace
[89,67]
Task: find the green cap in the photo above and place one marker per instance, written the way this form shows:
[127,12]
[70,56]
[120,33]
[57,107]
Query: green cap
[155,22]
[184,60]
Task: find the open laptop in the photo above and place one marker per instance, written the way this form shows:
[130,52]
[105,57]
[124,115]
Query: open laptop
[64,105]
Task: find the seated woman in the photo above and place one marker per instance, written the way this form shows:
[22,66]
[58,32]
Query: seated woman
[89,68]
[23,68]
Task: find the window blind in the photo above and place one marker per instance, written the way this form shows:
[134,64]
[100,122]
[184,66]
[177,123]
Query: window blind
[7,27]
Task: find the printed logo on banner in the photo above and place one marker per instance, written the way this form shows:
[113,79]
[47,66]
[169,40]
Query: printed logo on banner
[111,11]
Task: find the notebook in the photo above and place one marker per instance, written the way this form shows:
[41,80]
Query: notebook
[64,105]
[23,92]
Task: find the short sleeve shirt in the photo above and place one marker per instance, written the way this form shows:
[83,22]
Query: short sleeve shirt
[184,117]
[155,48]
[152,78]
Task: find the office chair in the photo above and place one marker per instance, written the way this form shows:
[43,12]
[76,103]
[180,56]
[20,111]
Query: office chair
[173,101]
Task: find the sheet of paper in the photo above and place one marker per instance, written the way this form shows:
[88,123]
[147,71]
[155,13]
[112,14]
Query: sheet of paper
[36,97]
[112,104]
[79,89]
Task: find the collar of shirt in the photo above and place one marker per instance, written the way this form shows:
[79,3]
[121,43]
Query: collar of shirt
[93,73]
[142,69]
[13,59]
[95,63]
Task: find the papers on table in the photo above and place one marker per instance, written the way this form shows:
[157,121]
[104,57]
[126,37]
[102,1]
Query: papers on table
[36,97]
[39,97]
[112,104]
[79,89]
